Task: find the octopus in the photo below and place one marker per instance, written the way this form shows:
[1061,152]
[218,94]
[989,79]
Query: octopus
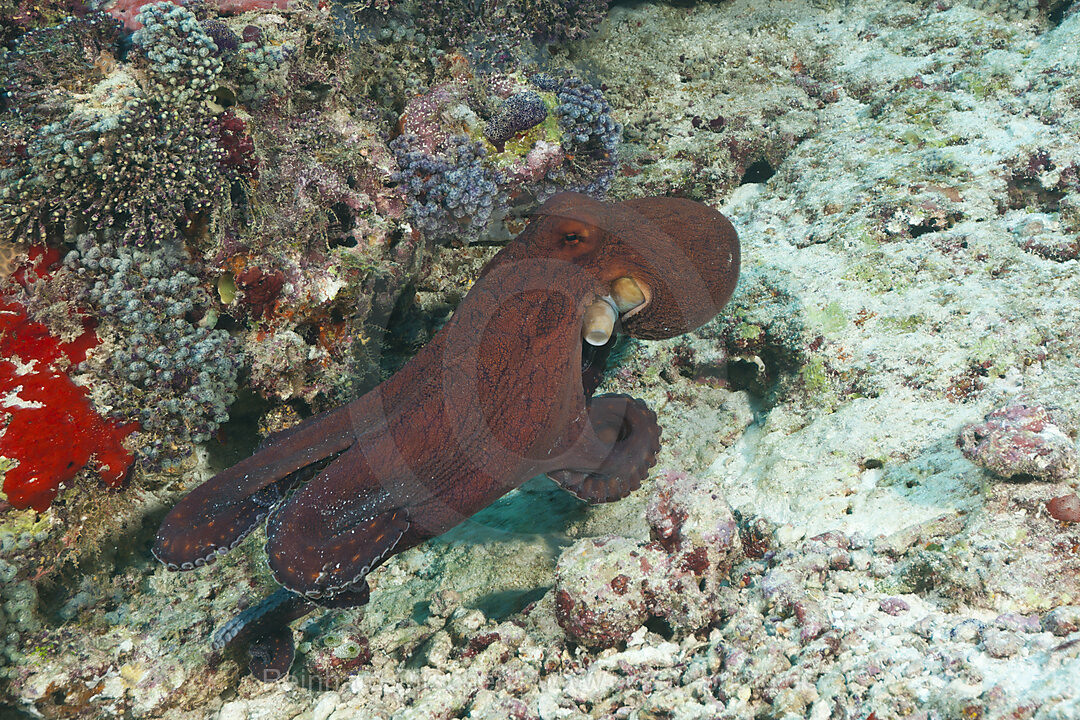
[502,393]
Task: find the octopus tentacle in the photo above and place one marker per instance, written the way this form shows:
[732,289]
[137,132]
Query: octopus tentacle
[264,628]
[218,514]
[629,439]
[334,531]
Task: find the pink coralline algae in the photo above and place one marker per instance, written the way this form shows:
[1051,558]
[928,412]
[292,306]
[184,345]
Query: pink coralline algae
[238,146]
[1021,440]
[606,588]
[1065,508]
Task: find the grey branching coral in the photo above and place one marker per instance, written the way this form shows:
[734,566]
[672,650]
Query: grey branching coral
[144,171]
[142,158]
[168,367]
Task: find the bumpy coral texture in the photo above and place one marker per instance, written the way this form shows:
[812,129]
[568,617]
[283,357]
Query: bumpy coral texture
[452,195]
[181,58]
[146,160]
[592,136]
[128,11]
[1021,440]
[173,373]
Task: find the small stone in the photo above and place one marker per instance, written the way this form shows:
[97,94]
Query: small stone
[235,710]
[793,701]
[1021,440]
[1018,623]
[599,589]
[1000,643]
[893,605]
[1063,620]
[967,631]
[325,706]
[1065,508]
[860,559]
[788,534]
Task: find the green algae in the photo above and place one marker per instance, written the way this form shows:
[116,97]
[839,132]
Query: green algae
[831,318]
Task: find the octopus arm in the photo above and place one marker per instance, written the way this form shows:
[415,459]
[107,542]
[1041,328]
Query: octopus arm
[610,462]
[339,527]
[218,514]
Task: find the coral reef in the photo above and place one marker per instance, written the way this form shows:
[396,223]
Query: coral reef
[591,134]
[128,11]
[518,113]
[167,366]
[19,16]
[137,163]
[475,147]
[904,180]
[45,66]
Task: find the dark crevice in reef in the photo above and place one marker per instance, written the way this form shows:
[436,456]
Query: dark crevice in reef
[1028,192]
[503,604]
[758,172]
[935,224]
[1056,11]
[660,626]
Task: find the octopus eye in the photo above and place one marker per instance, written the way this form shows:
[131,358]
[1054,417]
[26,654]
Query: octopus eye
[571,238]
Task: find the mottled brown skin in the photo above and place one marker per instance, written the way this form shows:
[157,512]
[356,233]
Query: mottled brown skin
[496,398]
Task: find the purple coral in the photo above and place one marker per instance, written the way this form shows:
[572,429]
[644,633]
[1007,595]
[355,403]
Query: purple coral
[223,37]
[1021,440]
[451,195]
[590,133]
[586,116]
[441,149]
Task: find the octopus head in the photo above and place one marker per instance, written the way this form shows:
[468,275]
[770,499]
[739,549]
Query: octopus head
[661,266]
